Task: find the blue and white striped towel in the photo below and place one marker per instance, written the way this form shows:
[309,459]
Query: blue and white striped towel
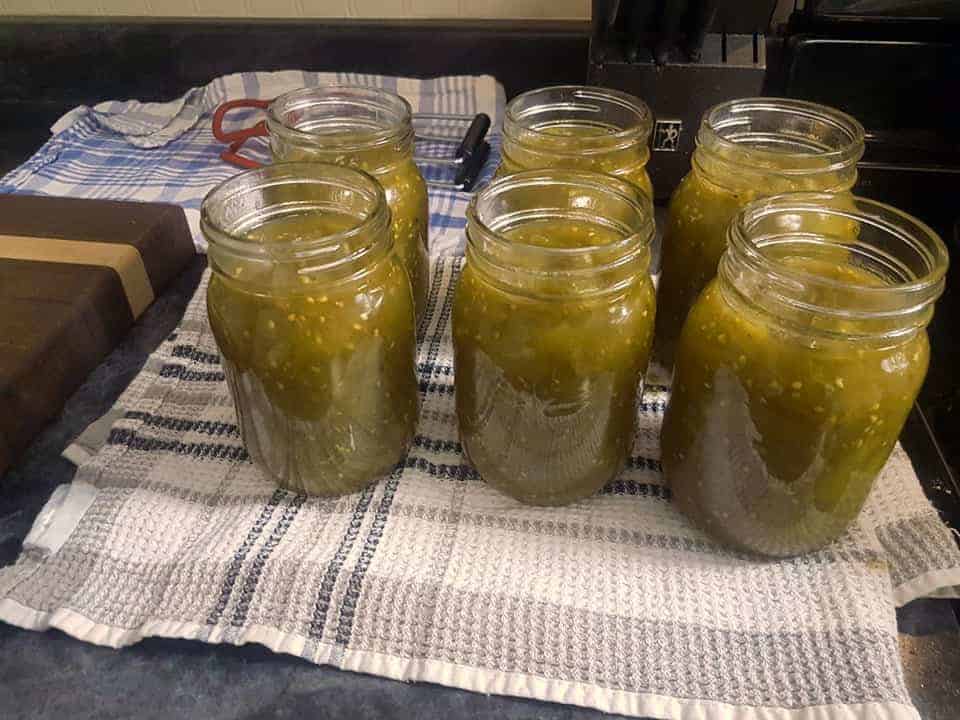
[165,152]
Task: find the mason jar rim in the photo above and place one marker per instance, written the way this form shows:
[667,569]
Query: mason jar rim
[641,110]
[916,236]
[633,195]
[728,114]
[232,238]
[360,96]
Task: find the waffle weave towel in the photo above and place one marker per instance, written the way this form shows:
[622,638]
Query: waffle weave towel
[615,603]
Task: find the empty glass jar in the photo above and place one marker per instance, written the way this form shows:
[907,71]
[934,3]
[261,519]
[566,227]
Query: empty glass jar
[314,317]
[746,149]
[797,367]
[578,128]
[552,325]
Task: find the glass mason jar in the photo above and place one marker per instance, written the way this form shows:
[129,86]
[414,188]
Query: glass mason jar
[797,367]
[552,325]
[313,314]
[369,129]
[578,128]
[746,149]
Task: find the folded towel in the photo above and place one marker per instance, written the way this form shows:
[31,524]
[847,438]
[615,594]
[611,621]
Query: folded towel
[616,602]
[165,152]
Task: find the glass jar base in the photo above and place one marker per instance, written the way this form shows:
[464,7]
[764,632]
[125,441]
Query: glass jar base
[302,455]
[773,549]
[524,492]
[538,500]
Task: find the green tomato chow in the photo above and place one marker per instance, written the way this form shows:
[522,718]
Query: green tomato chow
[322,373]
[695,238]
[547,388]
[557,146]
[407,199]
[773,437]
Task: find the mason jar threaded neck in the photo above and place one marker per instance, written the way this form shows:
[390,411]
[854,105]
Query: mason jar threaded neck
[560,196]
[252,199]
[811,146]
[535,119]
[339,119]
[835,265]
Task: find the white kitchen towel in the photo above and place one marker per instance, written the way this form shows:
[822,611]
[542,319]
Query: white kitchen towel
[615,603]
[166,152]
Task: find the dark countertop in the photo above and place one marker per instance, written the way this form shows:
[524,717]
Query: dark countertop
[50,675]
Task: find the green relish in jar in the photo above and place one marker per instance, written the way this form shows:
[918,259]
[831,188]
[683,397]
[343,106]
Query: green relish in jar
[746,149]
[369,129]
[578,128]
[552,325]
[797,367]
[313,314]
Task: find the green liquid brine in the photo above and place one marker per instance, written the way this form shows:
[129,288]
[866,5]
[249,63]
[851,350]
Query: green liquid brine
[578,128]
[796,370]
[313,315]
[746,149]
[552,325]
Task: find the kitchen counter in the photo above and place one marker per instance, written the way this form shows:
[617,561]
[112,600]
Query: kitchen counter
[50,675]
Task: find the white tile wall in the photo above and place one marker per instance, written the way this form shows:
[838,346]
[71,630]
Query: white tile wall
[517,9]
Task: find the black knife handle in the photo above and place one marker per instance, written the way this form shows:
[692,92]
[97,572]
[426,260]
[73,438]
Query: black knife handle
[700,19]
[671,19]
[473,137]
[469,169]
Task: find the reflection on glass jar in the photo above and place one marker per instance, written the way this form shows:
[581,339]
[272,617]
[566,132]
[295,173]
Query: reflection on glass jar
[746,149]
[797,367]
[371,130]
[314,318]
[578,128]
[552,324]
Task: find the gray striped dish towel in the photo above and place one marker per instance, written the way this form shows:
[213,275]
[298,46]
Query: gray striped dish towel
[615,603]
